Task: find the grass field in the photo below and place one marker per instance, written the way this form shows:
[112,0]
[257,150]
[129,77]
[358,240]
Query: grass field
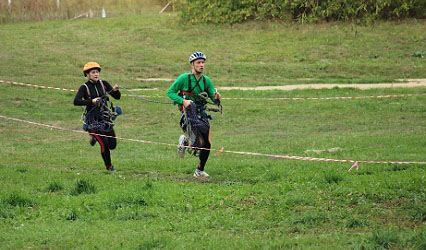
[157,46]
[55,192]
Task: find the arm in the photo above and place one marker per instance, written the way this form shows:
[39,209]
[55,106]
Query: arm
[79,97]
[211,91]
[113,91]
[174,89]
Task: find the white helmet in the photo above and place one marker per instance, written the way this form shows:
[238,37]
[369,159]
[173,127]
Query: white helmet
[197,55]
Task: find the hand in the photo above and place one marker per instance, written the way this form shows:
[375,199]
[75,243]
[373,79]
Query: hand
[217,96]
[115,88]
[95,100]
[186,103]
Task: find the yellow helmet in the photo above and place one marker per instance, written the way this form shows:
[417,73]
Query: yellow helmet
[91,65]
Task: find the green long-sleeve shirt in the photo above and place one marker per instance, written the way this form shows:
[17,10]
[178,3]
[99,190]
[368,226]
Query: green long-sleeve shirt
[181,84]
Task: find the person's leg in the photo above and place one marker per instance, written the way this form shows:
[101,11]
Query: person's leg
[112,141]
[92,140]
[182,142]
[105,152]
[204,154]
[182,122]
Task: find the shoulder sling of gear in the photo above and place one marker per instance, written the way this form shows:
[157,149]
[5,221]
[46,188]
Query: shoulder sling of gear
[88,91]
[190,88]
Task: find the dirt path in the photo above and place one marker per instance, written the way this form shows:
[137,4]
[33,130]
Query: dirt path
[409,84]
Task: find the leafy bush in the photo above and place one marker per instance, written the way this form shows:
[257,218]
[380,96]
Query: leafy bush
[235,11]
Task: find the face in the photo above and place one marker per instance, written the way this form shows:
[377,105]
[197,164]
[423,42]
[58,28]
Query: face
[93,75]
[198,65]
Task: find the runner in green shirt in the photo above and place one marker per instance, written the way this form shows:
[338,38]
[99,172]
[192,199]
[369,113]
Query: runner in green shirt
[185,91]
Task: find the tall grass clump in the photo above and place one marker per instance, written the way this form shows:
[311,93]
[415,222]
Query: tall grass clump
[134,215]
[311,219]
[6,213]
[332,177]
[83,186]
[135,200]
[152,244]
[72,215]
[18,200]
[356,223]
[418,212]
[418,241]
[385,239]
[55,186]
[22,170]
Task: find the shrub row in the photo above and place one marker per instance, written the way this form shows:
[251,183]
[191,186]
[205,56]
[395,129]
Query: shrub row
[235,11]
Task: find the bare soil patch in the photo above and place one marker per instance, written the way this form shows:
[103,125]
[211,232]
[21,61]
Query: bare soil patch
[410,83]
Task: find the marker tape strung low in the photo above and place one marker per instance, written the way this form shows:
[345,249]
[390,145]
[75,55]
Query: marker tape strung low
[306,98]
[290,157]
[242,98]
[325,98]
[37,86]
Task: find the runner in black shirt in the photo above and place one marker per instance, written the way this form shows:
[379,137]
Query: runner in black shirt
[98,120]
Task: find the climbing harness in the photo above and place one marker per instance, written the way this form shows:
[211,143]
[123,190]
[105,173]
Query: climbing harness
[194,120]
[100,117]
[195,126]
[201,100]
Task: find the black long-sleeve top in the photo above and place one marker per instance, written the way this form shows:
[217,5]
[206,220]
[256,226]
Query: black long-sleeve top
[82,97]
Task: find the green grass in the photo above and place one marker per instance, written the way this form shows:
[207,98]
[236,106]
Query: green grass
[157,46]
[55,193]
[251,202]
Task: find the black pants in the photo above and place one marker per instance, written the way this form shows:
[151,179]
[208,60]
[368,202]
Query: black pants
[107,143]
[204,154]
